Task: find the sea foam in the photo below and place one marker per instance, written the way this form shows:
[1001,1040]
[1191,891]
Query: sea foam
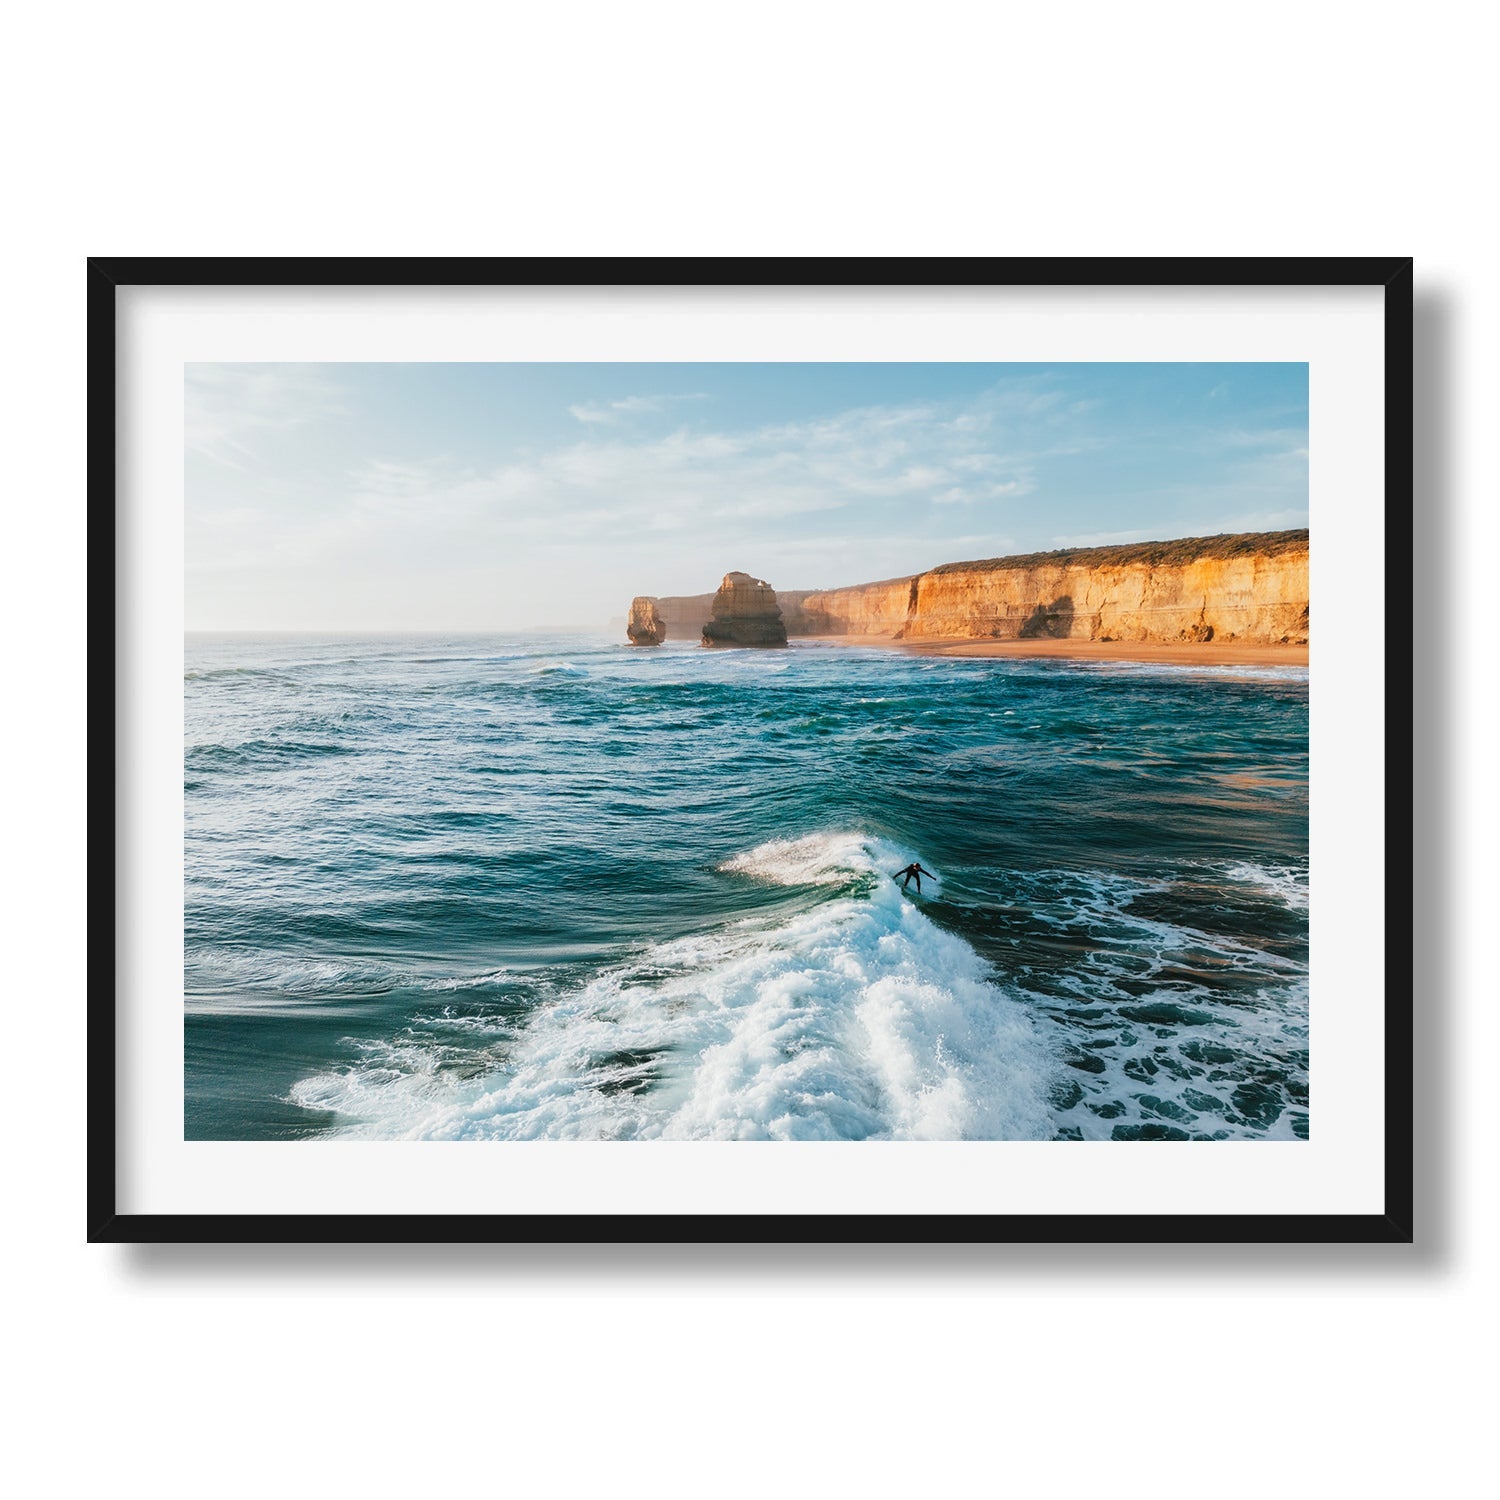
[857,1018]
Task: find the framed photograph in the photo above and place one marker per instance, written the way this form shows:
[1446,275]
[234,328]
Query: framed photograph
[710,750]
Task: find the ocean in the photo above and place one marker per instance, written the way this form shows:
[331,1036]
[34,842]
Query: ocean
[530,886]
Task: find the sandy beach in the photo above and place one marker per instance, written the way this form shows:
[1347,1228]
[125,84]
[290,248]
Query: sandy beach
[1184,653]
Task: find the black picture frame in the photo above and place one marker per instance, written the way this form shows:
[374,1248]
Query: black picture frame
[106,276]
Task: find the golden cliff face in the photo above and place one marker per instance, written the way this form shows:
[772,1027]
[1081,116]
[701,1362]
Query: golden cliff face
[1260,599]
[865,609]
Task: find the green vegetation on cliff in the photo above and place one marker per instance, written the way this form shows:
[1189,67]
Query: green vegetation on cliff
[1155,554]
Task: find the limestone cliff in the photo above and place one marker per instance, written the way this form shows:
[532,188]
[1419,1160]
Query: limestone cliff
[1245,588]
[745,613]
[645,626]
[1249,587]
[685,615]
[864,609]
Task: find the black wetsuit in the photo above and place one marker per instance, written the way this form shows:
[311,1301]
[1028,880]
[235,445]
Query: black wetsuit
[911,873]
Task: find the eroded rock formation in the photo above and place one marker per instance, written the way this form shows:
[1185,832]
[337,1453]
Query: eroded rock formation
[645,626]
[685,615]
[745,613]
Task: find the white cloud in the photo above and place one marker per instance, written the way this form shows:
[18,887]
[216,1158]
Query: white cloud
[230,409]
[612,412]
[691,478]
[968,494]
[720,491]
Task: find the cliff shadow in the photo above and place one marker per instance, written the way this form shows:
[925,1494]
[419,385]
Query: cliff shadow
[1049,622]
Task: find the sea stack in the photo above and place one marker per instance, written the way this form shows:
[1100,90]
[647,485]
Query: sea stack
[745,613]
[645,627]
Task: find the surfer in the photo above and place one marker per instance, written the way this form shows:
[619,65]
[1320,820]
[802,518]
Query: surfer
[911,873]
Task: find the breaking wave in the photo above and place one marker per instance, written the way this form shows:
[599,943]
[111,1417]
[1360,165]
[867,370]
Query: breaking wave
[859,1018]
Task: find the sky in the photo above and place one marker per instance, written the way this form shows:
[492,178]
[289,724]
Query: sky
[534,496]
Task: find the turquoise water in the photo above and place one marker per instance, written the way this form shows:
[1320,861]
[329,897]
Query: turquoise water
[522,886]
